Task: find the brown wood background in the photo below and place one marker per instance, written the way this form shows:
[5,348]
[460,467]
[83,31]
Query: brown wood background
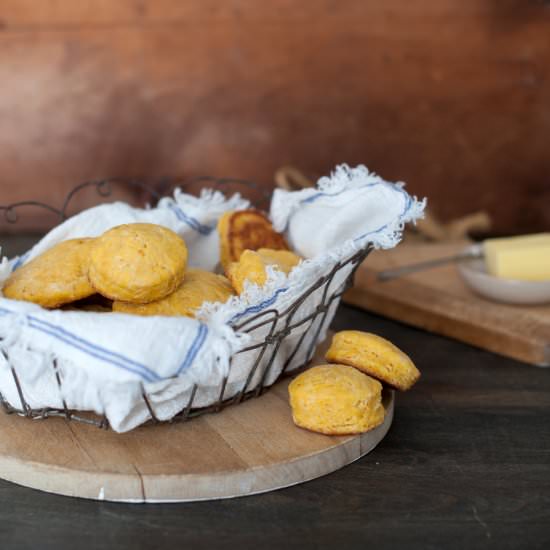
[452,96]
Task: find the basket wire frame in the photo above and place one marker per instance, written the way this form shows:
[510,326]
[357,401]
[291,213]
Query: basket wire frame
[270,319]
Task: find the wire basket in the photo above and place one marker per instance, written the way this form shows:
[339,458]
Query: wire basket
[298,334]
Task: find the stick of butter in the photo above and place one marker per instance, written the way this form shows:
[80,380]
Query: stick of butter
[525,258]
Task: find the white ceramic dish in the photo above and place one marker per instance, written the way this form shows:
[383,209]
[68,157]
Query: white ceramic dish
[510,291]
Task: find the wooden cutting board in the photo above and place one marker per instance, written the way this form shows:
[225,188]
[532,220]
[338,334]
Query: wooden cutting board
[437,300]
[245,449]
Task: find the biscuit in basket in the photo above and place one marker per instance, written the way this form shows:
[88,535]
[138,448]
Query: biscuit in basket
[336,400]
[252,266]
[375,356]
[246,230]
[56,277]
[137,263]
[199,286]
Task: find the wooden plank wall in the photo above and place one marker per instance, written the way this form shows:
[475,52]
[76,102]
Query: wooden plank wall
[452,96]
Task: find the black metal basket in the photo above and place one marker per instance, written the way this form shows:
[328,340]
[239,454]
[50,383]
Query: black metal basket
[300,334]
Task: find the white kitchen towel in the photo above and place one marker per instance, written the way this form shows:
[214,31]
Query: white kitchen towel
[107,361]
[352,204]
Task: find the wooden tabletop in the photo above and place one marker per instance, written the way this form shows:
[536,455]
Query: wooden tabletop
[466,464]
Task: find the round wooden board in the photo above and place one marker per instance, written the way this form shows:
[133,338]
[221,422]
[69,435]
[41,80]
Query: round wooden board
[245,449]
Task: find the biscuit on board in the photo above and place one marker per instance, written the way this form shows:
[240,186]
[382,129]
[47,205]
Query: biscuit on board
[375,356]
[137,263]
[56,277]
[252,266]
[199,286]
[336,400]
[246,230]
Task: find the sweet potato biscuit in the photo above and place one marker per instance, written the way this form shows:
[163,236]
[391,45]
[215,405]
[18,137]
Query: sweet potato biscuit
[252,266]
[199,286]
[137,263]
[336,400]
[246,230]
[56,277]
[373,355]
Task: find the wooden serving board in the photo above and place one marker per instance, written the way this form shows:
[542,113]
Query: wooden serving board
[245,449]
[438,300]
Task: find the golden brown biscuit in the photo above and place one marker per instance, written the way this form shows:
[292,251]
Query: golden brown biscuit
[246,230]
[56,277]
[336,400]
[199,286]
[252,266]
[137,263]
[375,356]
